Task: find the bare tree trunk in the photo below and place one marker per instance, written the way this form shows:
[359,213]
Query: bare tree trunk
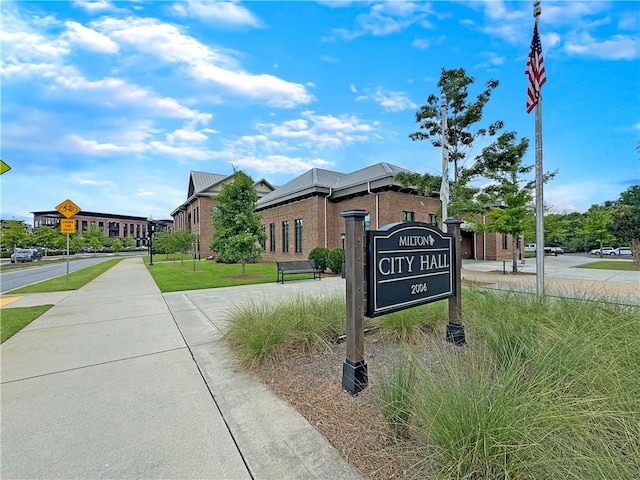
[243,267]
[514,257]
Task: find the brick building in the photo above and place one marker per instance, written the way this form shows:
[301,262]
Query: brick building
[195,214]
[305,212]
[112,225]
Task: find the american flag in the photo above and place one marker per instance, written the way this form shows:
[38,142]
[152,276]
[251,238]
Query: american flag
[535,71]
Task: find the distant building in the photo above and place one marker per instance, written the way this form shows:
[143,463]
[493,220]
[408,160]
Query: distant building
[112,225]
[305,213]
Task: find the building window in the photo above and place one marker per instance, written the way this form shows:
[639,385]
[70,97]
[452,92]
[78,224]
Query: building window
[285,236]
[505,243]
[263,243]
[408,216]
[367,221]
[433,219]
[298,235]
[272,237]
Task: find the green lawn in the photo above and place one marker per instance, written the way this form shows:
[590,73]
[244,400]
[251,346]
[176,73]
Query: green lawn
[73,281]
[15,319]
[612,265]
[175,276]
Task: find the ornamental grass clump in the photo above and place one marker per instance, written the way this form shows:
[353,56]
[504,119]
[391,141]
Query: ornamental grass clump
[264,331]
[545,388]
[411,326]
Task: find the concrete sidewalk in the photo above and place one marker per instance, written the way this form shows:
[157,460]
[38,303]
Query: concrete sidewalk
[119,381]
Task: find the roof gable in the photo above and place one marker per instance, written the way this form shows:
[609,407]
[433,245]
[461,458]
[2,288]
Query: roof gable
[199,182]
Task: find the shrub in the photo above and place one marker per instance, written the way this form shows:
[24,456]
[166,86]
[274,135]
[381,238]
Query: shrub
[335,260]
[320,255]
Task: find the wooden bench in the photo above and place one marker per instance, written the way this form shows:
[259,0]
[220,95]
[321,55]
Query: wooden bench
[295,267]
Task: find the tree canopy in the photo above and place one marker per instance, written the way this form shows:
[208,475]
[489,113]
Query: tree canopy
[237,228]
[463,117]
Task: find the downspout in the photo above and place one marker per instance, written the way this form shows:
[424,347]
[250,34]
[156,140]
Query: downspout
[199,231]
[475,245]
[484,239]
[326,199]
[370,192]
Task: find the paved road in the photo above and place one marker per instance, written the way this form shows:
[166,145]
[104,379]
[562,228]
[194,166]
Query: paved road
[11,279]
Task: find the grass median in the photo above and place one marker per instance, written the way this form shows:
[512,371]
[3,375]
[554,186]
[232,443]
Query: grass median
[612,265]
[181,275]
[73,281]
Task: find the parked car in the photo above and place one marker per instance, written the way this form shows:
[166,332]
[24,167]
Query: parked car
[605,251]
[556,250]
[21,255]
[621,251]
[530,247]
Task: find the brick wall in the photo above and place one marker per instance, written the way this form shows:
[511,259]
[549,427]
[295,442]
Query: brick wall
[312,211]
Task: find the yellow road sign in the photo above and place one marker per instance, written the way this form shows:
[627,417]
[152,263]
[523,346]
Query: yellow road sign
[67,225]
[4,167]
[68,208]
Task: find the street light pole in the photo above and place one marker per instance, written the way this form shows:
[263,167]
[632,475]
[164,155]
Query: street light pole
[150,241]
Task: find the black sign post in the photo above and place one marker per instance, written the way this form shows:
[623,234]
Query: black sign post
[354,369]
[408,264]
[455,329]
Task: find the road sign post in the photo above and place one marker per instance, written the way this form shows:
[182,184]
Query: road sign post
[67,225]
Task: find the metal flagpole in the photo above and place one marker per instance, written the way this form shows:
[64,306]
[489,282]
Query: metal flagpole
[444,185]
[539,182]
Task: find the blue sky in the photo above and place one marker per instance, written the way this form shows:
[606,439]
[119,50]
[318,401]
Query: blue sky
[112,104]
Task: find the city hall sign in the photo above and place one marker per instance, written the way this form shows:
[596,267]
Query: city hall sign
[408,264]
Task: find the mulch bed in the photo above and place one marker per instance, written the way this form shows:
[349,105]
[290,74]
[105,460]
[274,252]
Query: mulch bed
[311,383]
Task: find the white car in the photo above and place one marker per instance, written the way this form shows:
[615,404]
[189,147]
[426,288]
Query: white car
[621,251]
[605,251]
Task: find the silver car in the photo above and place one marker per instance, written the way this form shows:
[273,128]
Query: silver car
[21,255]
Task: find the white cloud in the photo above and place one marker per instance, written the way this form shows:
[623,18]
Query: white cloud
[218,12]
[116,92]
[387,18]
[393,101]
[94,6]
[189,135]
[89,39]
[167,43]
[420,43]
[78,179]
[618,47]
[281,164]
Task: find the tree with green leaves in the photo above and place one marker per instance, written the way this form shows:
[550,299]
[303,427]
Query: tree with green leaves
[129,241]
[182,240]
[76,242]
[502,164]
[237,228]
[625,223]
[94,237]
[116,243]
[596,224]
[48,237]
[463,115]
[14,233]
[163,243]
